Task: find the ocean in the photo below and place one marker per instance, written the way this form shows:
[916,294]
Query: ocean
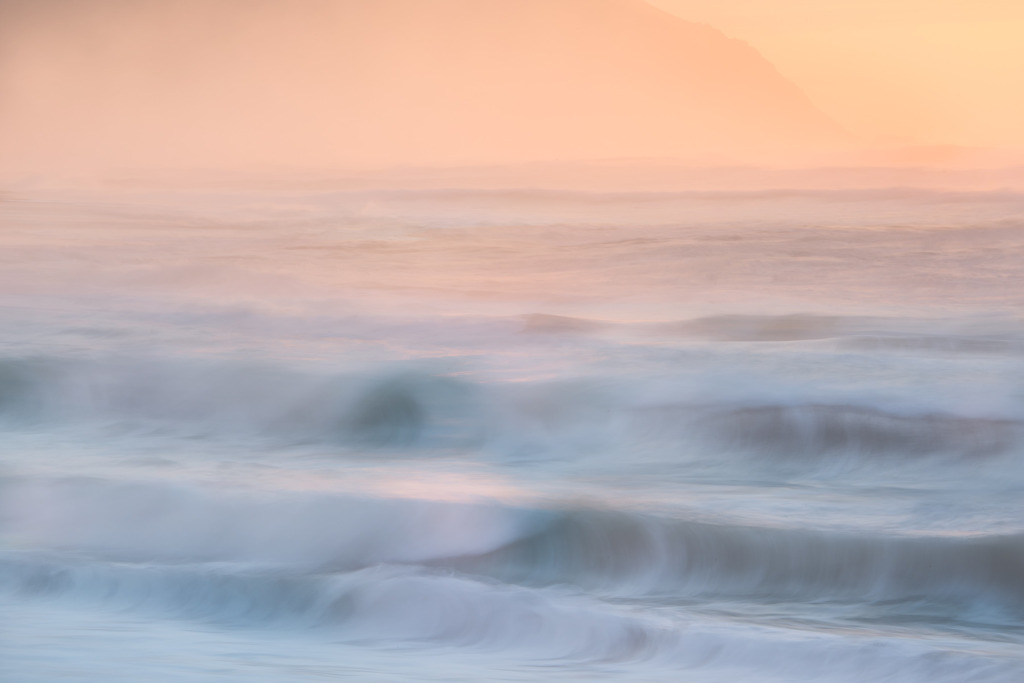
[308,434]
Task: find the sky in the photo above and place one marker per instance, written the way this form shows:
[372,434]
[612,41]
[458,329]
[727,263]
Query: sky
[895,72]
[374,83]
[365,83]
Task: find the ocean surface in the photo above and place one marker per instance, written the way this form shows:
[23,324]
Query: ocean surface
[487,435]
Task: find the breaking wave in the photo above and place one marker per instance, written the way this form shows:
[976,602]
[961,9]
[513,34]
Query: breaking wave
[414,607]
[605,552]
[415,411]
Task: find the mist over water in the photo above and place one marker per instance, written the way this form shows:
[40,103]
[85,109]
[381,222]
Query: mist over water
[351,339]
[493,435]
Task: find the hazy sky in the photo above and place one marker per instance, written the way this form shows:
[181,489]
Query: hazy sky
[361,83]
[367,83]
[894,71]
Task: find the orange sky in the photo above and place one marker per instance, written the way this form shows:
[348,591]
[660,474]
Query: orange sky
[372,83]
[892,71]
[365,83]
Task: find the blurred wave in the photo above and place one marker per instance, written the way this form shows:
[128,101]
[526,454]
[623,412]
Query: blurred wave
[604,551]
[700,436]
[413,410]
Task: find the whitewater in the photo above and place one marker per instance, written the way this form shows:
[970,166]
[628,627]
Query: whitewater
[314,433]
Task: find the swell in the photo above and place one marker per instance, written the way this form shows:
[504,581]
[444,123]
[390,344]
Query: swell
[412,607]
[412,410]
[390,408]
[614,552]
[813,432]
[995,336]
[632,555]
[376,605]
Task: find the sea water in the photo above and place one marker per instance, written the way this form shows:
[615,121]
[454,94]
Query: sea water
[441,435]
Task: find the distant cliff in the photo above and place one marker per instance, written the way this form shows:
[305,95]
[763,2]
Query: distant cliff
[383,82]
